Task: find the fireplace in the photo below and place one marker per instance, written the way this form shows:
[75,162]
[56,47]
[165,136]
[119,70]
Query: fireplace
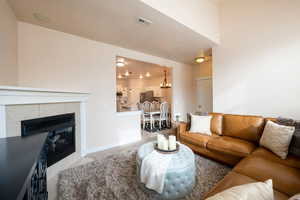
[61,134]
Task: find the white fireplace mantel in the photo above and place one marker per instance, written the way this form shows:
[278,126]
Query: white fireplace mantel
[21,96]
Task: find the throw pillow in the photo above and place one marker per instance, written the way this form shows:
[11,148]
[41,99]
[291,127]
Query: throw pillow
[200,124]
[285,121]
[295,197]
[295,143]
[277,138]
[188,117]
[257,191]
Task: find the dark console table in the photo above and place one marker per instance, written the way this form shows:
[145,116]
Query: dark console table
[23,168]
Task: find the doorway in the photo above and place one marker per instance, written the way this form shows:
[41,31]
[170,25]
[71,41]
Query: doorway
[204,96]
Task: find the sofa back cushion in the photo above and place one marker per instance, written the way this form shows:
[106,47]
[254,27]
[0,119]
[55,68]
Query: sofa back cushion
[216,123]
[270,119]
[245,127]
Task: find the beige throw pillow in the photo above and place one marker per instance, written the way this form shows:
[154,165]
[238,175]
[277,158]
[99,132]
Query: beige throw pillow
[277,138]
[257,191]
[200,124]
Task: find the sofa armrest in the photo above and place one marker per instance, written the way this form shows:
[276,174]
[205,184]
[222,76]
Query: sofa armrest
[181,128]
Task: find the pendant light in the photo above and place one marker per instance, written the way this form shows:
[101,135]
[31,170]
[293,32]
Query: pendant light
[165,83]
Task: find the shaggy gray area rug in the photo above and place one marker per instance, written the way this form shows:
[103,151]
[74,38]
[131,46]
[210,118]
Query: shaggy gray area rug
[114,178]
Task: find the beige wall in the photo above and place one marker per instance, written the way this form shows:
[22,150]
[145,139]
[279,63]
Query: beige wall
[56,60]
[8,45]
[202,16]
[203,70]
[257,66]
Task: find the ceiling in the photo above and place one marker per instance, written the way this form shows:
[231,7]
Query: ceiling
[115,22]
[138,68]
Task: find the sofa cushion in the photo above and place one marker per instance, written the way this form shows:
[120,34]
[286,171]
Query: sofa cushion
[220,157]
[233,179]
[270,119]
[230,145]
[182,127]
[216,123]
[196,138]
[291,160]
[243,126]
[285,179]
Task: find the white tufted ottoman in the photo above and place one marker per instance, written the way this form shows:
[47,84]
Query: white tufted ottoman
[180,177]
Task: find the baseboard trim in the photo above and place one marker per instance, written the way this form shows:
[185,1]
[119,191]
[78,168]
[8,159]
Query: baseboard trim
[106,147]
[101,148]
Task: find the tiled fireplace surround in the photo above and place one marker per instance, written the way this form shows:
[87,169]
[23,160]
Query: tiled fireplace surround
[17,104]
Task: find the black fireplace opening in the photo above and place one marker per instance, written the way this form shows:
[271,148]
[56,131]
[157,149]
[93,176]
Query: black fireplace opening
[61,134]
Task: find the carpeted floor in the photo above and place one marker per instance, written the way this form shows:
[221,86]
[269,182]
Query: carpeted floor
[114,178]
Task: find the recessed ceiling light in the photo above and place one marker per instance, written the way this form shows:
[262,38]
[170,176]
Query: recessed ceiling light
[120,62]
[41,18]
[141,76]
[148,74]
[199,59]
[127,73]
[119,76]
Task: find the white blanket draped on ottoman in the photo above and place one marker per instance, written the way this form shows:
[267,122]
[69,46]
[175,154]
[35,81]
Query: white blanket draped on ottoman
[153,170]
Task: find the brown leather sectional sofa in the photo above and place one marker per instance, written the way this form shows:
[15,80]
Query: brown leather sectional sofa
[235,141]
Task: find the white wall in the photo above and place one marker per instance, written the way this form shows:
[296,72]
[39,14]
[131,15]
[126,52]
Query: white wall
[8,45]
[56,60]
[257,66]
[202,16]
[129,127]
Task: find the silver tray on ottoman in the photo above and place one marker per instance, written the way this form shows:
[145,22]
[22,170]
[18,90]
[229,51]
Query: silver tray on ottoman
[166,151]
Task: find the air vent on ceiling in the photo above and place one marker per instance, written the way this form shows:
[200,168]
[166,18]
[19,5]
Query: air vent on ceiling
[144,21]
[41,18]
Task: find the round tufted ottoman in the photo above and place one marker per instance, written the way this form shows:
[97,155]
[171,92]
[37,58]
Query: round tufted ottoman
[180,176]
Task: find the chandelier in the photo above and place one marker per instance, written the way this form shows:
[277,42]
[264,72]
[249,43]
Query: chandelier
[165,83]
